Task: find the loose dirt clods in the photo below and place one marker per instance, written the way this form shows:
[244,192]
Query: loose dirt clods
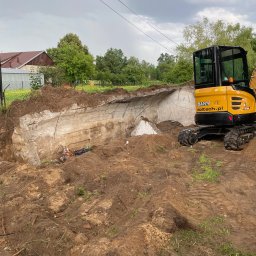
[135,198]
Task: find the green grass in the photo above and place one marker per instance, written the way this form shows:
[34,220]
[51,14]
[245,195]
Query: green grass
[21,94]
[100,89]
[207,169]
[12,95]
[212,236]
[86,194]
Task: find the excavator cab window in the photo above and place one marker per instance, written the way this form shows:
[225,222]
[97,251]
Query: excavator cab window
[204,67]
[233,66]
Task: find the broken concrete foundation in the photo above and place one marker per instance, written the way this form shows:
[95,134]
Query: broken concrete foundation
[39,136]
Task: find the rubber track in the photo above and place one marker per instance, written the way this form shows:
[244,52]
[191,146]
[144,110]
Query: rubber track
[234,139]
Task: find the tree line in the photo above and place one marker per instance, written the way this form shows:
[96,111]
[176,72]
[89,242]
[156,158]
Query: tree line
[75,64]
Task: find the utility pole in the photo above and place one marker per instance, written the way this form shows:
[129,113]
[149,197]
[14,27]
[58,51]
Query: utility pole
[1,84]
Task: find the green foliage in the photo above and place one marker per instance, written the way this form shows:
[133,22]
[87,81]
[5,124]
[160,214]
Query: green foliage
[12,95]
[53,75]
[228,249]
[35,81]
[212,236]
[114,68]
[113,61]
[166,64]
[112,231]
[206,170]
[206,33]
[175,70]
[80,191]
[181,72]
[72,39]
[75,64]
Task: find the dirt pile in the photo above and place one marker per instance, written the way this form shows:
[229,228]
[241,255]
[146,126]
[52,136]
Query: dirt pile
[56,99]
[143,195]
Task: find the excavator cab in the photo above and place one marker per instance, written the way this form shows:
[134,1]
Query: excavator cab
[222,92]
[224,101]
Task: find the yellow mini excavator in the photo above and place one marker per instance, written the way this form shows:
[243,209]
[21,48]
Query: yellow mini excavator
[225,101]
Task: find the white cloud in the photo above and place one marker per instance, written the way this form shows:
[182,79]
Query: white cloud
[216,13]
[226,2]
[170,35]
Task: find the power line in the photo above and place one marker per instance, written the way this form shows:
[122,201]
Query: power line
[120,15]
[152,26]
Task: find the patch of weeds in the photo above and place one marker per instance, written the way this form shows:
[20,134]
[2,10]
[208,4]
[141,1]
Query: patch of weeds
[161,149]
[86,194]
[112,232]
[214,226]
[45,162]
[187,238]
[80,191]
[218,164]
[211,236]
[203,159]
[143,194]
[134,213]
[192,150]
[102,179]
[207,173]
[228,249]
[207,169]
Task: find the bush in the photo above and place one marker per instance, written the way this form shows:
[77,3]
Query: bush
[35,81]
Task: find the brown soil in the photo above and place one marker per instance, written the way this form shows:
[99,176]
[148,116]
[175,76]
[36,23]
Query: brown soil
[130,197]
[56,99]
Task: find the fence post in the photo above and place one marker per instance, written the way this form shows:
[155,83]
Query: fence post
[1,84]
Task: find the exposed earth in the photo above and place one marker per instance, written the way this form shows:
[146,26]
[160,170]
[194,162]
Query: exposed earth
[143,195]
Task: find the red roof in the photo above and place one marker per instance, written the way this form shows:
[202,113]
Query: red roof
[18,59]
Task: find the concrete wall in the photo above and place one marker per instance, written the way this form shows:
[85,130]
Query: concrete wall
[39,136]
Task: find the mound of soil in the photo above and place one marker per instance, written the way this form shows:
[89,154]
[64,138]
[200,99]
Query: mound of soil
[136,196]
[57,99]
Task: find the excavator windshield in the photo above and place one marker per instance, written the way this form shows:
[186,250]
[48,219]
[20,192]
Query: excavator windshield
[220,65]
[233,66]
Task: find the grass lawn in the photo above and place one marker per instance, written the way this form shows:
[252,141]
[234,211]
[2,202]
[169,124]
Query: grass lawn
[11,95]
[21,94]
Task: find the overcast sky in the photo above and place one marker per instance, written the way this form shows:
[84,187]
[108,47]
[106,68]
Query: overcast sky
[37,25]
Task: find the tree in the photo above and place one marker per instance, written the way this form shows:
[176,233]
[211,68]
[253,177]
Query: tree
[53,75]
[181,72]
[205,33]
[149,70]
[73,39]
[166,63]
[73,59]
[133,71]
[113,61]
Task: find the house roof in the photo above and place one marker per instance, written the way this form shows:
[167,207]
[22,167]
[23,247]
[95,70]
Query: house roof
[18,59]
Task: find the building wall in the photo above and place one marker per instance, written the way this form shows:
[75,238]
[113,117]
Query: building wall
[18,80]
[31,68]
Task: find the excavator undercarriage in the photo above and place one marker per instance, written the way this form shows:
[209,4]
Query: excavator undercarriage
[234,137]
